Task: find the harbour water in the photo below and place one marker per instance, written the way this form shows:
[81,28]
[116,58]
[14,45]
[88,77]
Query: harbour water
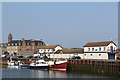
[30,73]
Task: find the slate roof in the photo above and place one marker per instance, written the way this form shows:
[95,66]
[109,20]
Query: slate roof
[48,47]
[14,42]
[95,44]
[65,51]
[26,54]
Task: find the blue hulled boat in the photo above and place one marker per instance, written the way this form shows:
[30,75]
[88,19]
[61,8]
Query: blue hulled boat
[39,64]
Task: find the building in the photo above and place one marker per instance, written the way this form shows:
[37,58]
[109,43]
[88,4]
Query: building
[23,46]
[100,50]
[3,48]
[67,53]
[47,50]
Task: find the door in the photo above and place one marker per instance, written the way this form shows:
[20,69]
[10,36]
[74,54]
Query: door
[111,56]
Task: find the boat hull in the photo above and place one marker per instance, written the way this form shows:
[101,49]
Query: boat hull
[24,66]
[38,67]
[62,66]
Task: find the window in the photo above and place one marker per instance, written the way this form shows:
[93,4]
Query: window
[99,54]
[111,47]
[12,44]
[16,44]
[27,43]
[88,49]
[104,48]
[99,49]
[114,48]
[19,43]
[91,54]
[95,49]
[92,49]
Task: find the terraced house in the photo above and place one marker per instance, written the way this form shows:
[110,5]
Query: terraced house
[100,50]
[23,46]
[48,50]
[3,48]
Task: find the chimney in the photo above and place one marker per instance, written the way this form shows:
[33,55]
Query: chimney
[23,41]
[31,40]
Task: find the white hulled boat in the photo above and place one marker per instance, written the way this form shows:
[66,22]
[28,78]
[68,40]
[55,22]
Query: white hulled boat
[39,64]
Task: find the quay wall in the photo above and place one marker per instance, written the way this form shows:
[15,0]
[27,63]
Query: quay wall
[98,67]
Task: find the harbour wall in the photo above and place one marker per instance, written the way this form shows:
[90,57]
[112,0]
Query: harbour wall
[98,67]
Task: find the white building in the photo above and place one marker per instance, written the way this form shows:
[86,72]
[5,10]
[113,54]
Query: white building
[67,53]
[47,50]
[100,50]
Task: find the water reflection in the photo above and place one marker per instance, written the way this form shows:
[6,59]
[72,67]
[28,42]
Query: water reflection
[16,72]
[12,67]
[57,74]
[48,74]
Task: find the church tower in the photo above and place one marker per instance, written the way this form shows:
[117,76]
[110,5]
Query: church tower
[9,37]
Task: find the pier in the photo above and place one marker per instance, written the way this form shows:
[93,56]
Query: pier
[98,67]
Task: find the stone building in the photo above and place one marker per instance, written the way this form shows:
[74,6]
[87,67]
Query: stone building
[3,48]
[23,46]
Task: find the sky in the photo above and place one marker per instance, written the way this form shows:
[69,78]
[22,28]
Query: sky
[69,24]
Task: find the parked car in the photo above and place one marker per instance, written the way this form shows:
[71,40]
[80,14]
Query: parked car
[36,57]
[30,57]
[75,57]
[20,57]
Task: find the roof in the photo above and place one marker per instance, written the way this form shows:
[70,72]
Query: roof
[95,44]
[81,50]
[27,41]
[48,47]
[26,54]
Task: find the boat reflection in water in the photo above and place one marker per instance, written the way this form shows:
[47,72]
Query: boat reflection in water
[57,74]
[16,72]
[48,74]
[13,67]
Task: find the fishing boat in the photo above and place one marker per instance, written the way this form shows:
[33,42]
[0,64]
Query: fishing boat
[10,63]
[39,64]
[13,67]
[16,64]
[58,65]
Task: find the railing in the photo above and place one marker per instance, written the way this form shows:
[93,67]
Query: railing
[112,51]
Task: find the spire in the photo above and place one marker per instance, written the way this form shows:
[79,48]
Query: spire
[9,37]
